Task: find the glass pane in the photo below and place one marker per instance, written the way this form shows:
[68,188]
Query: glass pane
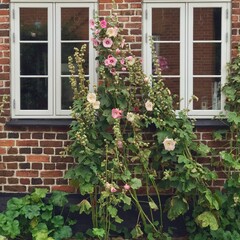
[207,23]
[67,94]
[75,23]
[166,24]
[174,86]
[33,24]
[34,94]
[34,58]
[169,58]
[207,58]
[208,91]
[68,50]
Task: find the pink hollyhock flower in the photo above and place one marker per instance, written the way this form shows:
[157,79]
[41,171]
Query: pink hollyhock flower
[112,60]
[149,105]
[107,42]
[113,189]
[126,187]
[124,69]
[122,43]
[112,32]
[169,144]
[103,24]
[113,71]
[136,109]
[95,42]
[118,51]
[119,144]
[91,23]
[106,62]
[122,61]
[97,31]
[163,63]
[116,113]
[130,60]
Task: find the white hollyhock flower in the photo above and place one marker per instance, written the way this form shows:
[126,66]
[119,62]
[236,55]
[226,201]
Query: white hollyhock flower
[169,144]
[149,105]
[96,105]
[130,116]
[91,97]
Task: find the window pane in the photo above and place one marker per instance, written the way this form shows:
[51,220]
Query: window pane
[68,50]
[207,59]
[174,86]
[75,23]
[33,24]
[169,56]
[34,58]
[208,91]
[166,24]
[207,23]
[34,94]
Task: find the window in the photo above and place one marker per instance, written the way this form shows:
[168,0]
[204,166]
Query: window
[43,36]
[191,39]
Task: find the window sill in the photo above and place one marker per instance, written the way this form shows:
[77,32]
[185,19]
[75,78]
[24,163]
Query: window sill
[67,122]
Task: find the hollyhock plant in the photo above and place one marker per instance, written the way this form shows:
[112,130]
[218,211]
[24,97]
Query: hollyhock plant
[112,149]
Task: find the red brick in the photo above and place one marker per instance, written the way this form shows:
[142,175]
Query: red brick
[32,143]
[69,189]
[16,188]
[51,174]
[7,143]
[37,158]
[27,173]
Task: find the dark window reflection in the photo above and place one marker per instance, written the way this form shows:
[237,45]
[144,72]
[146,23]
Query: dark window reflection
[34,58]
[34,94]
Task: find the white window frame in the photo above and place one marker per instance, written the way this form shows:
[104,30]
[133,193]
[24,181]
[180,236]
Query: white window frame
[54,57]
[186,46]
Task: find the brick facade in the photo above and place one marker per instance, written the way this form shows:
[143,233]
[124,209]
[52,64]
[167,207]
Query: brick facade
[30,156]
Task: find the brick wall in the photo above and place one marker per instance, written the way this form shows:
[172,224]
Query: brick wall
[30,155]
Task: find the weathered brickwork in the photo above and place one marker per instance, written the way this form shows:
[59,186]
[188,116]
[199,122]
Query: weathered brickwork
[30,156]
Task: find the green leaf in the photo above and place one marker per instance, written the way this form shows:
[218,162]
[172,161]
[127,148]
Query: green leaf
[153,205]
[162,135]
[59,198]
[57,221]
[85,206]
[135,183]
[39,193]
[86,188]
[177,206]
[127,200]
[31,211]
[137,232]
[64,232]
[99,232]
[207,219]
[112,211]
